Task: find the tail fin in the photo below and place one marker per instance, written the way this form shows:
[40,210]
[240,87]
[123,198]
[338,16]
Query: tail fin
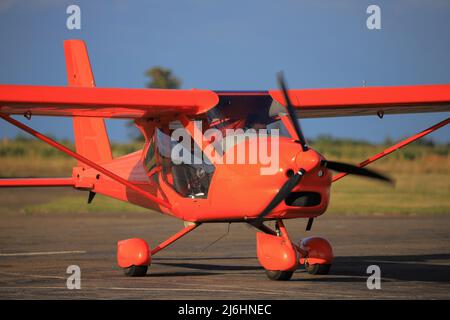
[91,137]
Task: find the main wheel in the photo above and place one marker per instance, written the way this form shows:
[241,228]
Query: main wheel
[136,271]
[317,268]
[279,275]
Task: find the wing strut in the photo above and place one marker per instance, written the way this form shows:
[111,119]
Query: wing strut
[397,146]
[86,161]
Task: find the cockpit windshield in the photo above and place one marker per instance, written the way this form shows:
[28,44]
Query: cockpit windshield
[241,112]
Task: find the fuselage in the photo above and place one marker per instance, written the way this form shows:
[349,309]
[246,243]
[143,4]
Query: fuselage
[204,184]
[235,191]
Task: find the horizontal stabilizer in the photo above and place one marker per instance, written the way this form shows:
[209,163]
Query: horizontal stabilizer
[37,182]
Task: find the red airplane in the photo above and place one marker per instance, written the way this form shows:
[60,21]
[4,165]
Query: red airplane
[211,191]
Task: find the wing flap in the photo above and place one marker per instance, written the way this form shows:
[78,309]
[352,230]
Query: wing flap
[103,102]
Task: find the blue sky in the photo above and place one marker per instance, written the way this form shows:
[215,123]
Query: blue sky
[236,45]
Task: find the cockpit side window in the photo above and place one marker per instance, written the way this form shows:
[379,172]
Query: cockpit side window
[189,178]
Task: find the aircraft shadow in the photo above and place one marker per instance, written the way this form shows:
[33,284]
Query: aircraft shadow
[181,274]
[203,258]
[211,267]
[424,268]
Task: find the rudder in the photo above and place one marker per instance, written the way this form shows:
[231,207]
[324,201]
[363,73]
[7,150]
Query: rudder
[91,137]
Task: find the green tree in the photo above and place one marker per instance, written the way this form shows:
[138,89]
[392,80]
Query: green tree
[160,78]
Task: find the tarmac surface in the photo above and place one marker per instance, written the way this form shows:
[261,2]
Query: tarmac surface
[35,251]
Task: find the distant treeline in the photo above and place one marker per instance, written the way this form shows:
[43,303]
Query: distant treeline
[360,149]
[22,146]
[337,148]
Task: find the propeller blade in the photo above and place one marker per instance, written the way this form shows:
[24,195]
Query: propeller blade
[291,112]
[287,187]
[352,169]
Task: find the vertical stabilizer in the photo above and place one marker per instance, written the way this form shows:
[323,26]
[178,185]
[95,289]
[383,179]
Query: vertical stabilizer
[91,138]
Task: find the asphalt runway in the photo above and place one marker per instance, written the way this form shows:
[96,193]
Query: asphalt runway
[35,251]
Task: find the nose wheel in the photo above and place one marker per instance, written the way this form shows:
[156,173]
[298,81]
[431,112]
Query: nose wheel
[317,255]
[317,269]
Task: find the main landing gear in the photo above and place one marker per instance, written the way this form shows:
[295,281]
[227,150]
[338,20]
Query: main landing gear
[280,257]
[134,255]
[276,253]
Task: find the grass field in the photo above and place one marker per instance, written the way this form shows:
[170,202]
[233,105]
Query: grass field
[421,171]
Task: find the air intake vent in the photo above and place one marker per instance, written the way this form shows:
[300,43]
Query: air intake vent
[303,199]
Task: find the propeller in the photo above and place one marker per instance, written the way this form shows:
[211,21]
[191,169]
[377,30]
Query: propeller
[352,169]
[291,112]
[295,179]
[284,191]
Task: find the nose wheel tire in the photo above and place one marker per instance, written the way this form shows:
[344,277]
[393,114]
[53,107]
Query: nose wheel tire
[279,275]
[136,271]
[317,268]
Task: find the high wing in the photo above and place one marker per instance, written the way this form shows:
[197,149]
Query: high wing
[146,103]
[315,103]
[103,102]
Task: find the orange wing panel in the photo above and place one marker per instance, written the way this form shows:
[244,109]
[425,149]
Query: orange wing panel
[312,103]
[103,102]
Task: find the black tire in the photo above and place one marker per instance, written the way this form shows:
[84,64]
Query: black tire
[279,275]
[136,271]
[317,268]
